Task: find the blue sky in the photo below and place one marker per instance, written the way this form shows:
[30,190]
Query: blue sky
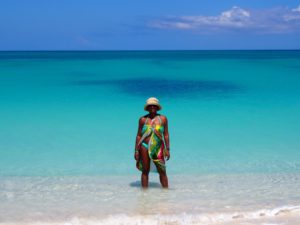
[149,25]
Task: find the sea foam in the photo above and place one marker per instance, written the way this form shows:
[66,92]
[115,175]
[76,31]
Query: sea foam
[276,216]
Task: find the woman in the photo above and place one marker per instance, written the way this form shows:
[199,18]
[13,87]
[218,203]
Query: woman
[152,143]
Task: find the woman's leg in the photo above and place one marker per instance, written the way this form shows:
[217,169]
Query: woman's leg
[163,177]
[146,166]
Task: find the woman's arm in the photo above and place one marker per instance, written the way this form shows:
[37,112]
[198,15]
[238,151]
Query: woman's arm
[167,139]
[138,137]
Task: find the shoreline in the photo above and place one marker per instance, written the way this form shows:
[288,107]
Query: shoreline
[201,199]
[288,215]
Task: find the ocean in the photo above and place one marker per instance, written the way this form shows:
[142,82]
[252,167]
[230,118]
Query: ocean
[69,121]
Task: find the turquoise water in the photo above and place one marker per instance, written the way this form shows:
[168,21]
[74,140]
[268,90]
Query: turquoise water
[69,121]
[76,113]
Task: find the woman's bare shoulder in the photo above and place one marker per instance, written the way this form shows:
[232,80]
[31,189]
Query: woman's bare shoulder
[143,118]
[163,118]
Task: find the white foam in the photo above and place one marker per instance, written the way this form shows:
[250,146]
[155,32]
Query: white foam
[180,219]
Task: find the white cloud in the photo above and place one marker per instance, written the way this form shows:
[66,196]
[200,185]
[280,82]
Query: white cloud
[166,24]
[296,9]
[236,17]
[291,17]
[277,20]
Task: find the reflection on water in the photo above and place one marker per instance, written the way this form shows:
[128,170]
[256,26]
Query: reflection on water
[151,184]
[166,88]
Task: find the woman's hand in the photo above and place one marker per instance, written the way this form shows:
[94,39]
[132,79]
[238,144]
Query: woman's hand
[136,155]
[167,154]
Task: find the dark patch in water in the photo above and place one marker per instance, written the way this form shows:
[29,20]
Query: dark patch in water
[166,88]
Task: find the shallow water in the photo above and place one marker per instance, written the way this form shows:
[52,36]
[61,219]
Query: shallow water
[203,199]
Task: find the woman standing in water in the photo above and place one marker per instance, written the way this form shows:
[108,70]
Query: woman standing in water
[152,143]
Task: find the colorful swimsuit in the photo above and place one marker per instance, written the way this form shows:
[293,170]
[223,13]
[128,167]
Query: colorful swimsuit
[155,146]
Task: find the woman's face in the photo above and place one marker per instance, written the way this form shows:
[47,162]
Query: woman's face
[152,108]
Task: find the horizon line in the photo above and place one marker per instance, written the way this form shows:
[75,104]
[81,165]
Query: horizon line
[150,50]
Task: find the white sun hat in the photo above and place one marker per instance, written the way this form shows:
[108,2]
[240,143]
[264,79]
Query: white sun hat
[152,101]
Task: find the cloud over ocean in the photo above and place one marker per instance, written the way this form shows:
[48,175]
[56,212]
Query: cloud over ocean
[273,20]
